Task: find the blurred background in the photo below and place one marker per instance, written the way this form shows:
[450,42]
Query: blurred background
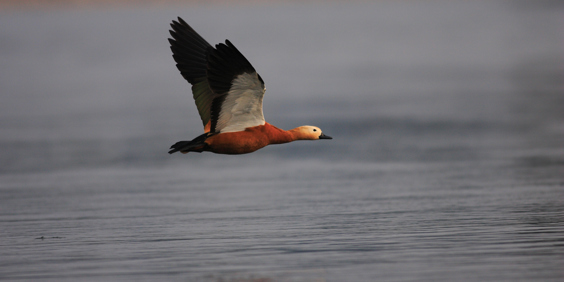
[447,160]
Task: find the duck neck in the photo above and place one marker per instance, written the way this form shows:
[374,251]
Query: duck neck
[279,136]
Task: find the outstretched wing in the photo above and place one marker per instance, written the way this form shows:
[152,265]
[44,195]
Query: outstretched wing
[240,88]
[227,89]
[190,52]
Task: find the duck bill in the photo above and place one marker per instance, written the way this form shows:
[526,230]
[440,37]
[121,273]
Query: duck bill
[323,136]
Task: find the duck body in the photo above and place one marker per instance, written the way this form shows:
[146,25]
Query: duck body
[228,93]
[246,141]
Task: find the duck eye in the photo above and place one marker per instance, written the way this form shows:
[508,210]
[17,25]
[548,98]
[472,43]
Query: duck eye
[314,130]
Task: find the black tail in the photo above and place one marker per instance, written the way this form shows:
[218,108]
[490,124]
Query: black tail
[196,145]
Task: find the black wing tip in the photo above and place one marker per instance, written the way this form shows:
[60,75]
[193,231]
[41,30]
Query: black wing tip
[181,21]
[178,21]
[228,43]
[189,50]
[178,26]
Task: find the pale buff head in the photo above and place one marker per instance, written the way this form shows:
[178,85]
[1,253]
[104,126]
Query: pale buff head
[308,132]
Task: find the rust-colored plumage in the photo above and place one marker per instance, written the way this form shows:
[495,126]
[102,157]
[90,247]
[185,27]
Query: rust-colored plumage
[249,140]
[228,93]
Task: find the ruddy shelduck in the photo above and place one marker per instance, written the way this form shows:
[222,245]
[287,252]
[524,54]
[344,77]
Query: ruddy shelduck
[228,94]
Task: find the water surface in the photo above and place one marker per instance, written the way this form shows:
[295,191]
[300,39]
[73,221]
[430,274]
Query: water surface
[447,161]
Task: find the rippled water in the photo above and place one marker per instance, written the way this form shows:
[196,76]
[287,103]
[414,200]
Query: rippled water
[447,161]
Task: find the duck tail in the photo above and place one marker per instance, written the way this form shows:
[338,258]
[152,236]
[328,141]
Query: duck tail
[197,145]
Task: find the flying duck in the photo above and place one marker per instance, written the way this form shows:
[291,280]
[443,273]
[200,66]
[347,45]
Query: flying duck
[228,94]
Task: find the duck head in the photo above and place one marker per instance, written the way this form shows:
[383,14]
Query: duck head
[309,132]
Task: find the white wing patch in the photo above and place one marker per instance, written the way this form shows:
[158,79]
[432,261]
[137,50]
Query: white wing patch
[242,106]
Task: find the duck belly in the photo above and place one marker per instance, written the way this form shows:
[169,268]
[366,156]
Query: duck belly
[235,143]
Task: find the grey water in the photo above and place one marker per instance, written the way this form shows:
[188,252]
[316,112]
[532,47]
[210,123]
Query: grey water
[447,162]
